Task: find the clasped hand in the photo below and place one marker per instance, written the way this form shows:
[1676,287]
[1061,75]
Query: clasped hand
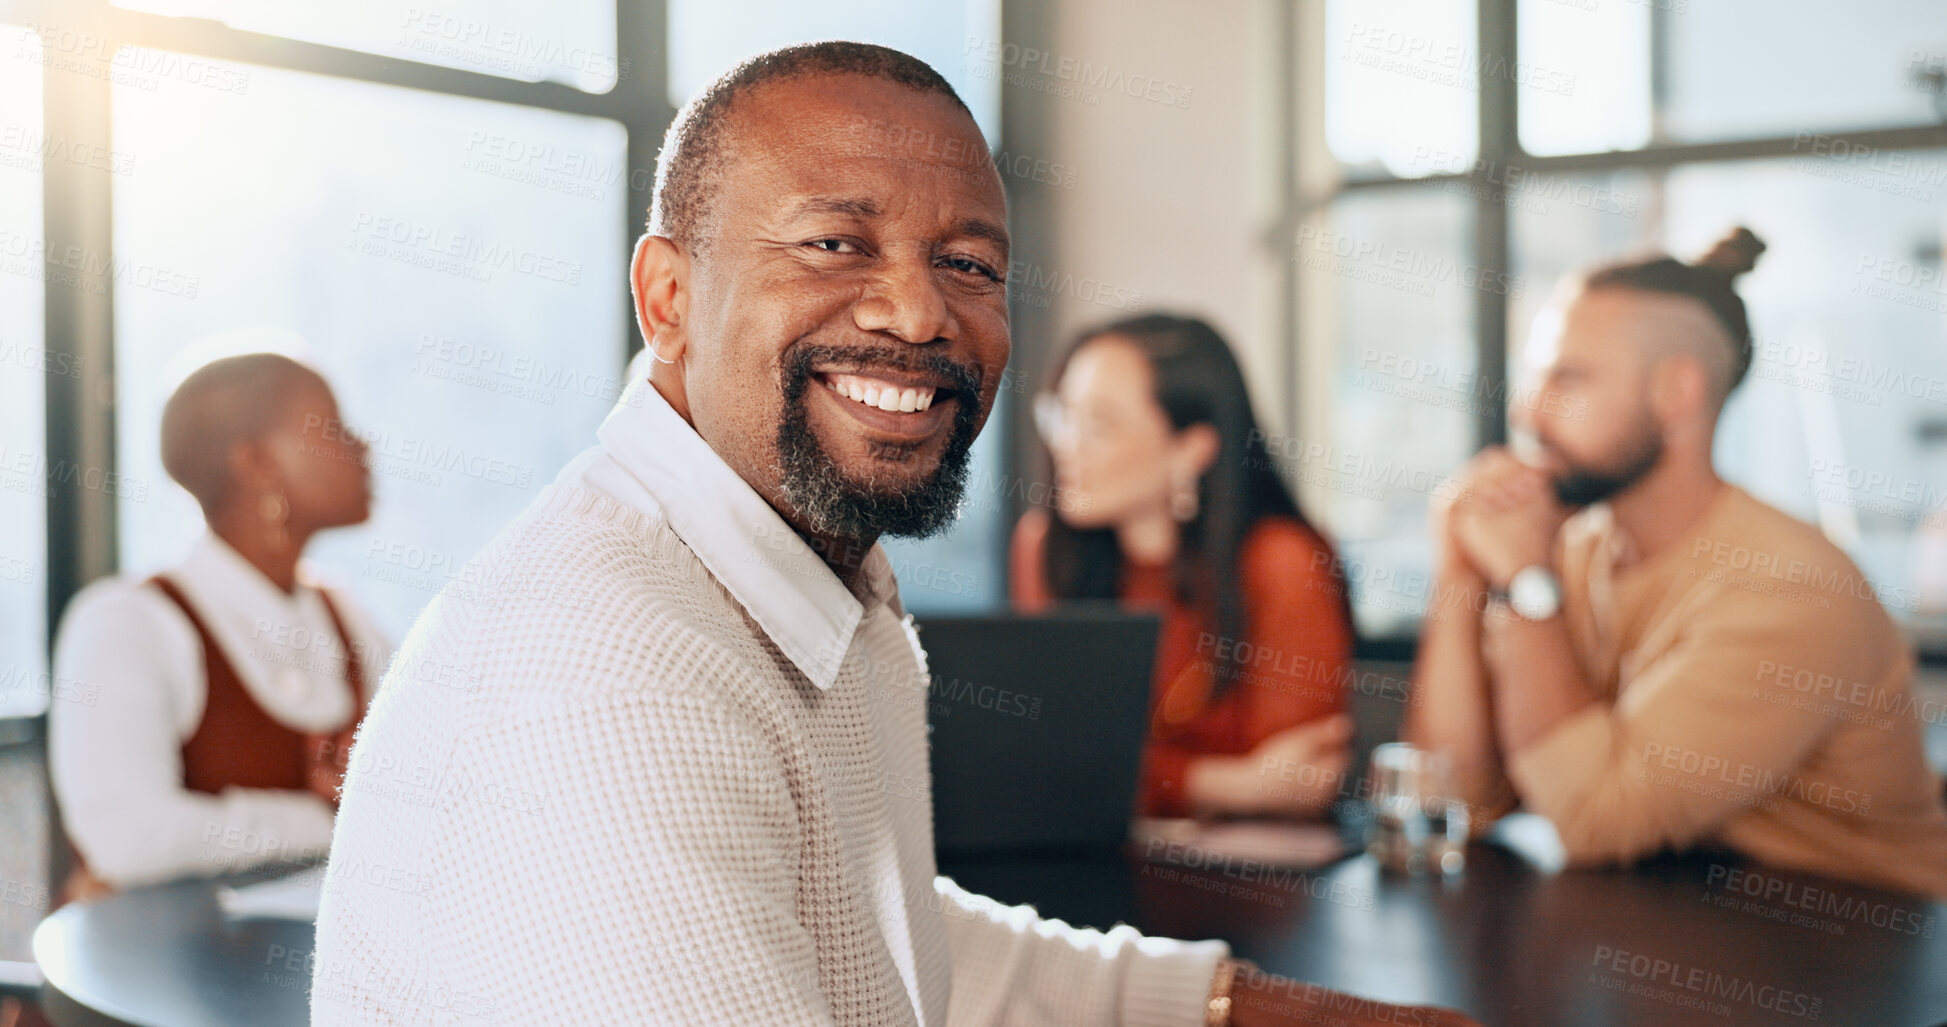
[1496,517]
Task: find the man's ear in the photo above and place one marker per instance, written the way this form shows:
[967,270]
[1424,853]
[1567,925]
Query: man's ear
[1680,388]
[659,279]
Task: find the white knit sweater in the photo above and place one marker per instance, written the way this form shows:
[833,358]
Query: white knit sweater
[675,772]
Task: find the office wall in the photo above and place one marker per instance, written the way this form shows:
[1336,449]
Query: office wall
[1156,121]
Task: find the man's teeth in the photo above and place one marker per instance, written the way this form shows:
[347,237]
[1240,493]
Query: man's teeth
[884,395]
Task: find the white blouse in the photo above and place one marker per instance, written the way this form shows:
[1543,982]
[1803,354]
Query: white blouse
[135,687]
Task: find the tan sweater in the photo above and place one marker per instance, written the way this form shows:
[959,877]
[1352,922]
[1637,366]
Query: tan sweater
[673,772]
[1754,695]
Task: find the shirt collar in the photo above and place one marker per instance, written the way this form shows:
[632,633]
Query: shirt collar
[230,579]
[781,582]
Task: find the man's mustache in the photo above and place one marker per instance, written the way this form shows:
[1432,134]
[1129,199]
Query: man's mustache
[960,377]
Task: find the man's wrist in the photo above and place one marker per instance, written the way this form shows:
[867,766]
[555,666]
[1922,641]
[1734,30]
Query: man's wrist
[1503,574]
[1217,1008]
[1460,579]
[1533,592]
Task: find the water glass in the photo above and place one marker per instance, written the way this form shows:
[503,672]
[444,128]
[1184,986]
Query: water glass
[1418,824]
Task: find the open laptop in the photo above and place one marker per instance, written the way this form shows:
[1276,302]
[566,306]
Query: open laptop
[1037,726]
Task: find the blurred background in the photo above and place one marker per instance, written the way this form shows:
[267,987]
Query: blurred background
[434,203]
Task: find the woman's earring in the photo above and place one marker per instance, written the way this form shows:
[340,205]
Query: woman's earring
[1183,499]
[275,511]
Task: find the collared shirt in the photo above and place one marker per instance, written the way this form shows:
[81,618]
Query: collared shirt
[652,460]
[128,690]
[655,462]
[690,773]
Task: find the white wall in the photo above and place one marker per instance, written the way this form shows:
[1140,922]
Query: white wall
[1173,191]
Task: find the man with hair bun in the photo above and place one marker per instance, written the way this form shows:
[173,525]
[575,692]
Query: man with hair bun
[1643,653]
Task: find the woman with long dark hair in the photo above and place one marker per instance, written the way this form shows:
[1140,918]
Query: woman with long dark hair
[1168,500]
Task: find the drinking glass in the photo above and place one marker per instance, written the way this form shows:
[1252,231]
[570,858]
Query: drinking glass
[1418,823]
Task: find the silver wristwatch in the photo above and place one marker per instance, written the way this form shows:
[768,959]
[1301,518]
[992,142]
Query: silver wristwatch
[1534,593]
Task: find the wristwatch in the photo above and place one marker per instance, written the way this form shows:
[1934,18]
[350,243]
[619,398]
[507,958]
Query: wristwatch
[1534,593]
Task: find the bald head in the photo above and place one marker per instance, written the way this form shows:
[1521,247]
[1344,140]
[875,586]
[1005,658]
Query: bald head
[699,145]
[223,403]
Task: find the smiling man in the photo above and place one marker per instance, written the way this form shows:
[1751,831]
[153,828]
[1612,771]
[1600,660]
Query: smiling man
[661,756]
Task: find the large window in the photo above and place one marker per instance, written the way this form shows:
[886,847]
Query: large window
[443,233]
[1607,130]
[567,41]
[25,363]
[453,266]
[1705,71]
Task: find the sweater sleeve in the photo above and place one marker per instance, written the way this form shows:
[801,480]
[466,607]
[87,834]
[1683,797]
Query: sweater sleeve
[1297,617]
[651,830]
[1011,968]
[1686,749]
[1291,665]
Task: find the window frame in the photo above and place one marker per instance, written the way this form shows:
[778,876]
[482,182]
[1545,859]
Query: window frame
[82,529]
[1499,143]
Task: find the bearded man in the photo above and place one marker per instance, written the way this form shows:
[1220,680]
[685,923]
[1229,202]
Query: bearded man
[672,765]
[1647,655]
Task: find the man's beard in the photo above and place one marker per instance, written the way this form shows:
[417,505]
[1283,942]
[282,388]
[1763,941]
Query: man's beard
[832,503]
[1583,486]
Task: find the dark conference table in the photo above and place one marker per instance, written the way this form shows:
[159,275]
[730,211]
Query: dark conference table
[1510,941]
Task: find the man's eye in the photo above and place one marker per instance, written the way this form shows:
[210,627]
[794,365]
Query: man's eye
[832,246]
[971,266]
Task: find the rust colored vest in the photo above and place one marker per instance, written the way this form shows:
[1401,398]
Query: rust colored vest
[238,745]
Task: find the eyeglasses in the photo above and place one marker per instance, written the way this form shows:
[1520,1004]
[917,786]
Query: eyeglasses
[1058,425]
